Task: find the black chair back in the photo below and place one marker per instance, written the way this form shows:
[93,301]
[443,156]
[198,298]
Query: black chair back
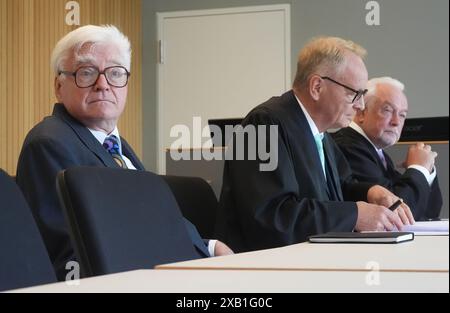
[24,261]
[121,220]
[197,202]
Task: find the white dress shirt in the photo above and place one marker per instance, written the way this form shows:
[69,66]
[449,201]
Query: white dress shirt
[101,136]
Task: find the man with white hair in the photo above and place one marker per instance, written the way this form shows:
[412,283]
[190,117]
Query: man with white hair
[378,126]
[91,66]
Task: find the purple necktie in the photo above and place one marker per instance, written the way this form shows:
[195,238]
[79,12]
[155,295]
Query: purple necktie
[111,144]
[382,158]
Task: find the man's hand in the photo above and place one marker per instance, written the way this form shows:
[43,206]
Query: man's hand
[372,217]
[222,249]
[420,154]
[381,196]
[405,214]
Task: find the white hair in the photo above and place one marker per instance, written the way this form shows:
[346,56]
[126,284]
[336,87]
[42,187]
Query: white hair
[373,84]
[105,34]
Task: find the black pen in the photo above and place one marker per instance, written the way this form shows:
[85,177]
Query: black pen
[396,204]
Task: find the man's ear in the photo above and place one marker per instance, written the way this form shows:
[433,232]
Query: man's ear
[57,85]
[315,87]
[360,116]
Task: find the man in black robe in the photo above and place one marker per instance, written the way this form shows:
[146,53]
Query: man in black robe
[379,126]
[299,191]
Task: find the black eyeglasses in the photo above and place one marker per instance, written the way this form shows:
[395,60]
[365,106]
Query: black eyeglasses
[358,93]
[87,76]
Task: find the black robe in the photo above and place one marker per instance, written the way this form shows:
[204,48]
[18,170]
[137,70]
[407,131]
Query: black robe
[411,186]
[266,209]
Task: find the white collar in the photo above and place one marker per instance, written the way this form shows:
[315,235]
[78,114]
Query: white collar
[101,136]
[359,130]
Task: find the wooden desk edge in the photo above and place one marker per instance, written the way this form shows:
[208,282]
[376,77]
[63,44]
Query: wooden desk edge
[387,270]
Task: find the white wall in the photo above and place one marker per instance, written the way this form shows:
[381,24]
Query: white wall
[411,44]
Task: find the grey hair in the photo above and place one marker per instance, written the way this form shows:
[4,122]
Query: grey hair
[374,82]
[105,34]
[327,53]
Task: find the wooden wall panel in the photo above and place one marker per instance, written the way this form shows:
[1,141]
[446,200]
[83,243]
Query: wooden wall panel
[29,29]
[3,62]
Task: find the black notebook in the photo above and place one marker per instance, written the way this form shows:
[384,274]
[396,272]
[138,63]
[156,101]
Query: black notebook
[368,237]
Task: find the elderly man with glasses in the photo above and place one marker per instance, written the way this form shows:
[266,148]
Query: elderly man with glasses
[312,190]
[92,67]
[378,127]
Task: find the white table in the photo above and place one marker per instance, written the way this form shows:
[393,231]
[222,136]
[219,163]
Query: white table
[253,281]
[424,254]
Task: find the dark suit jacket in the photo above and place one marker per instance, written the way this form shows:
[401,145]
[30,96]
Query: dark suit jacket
[60,142]
[425,202]
[261,210]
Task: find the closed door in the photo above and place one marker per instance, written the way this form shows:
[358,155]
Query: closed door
[218,64]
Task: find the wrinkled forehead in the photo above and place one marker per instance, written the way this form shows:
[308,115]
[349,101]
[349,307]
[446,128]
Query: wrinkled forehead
[95,54]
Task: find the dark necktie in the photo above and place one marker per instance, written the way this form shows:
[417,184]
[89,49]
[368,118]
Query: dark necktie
[382,158]
[111,144]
